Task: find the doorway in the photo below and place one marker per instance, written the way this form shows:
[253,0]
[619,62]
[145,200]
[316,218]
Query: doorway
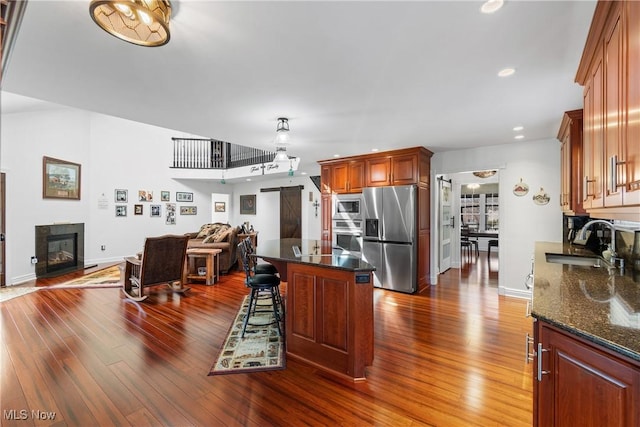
[291,212]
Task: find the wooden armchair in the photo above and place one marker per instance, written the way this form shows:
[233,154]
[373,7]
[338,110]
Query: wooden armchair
[162,262]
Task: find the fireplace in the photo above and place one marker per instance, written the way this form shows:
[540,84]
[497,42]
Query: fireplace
[59,249]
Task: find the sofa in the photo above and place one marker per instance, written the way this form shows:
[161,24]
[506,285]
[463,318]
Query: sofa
[217,236]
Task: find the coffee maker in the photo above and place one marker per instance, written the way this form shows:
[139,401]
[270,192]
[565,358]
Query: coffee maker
[571,226]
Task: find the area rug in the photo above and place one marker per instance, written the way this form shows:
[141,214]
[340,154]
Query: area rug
[106,278]
[9,292]
[261,349]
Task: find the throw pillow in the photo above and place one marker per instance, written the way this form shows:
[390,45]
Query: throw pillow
[205,230]
[222,234]
[209,239]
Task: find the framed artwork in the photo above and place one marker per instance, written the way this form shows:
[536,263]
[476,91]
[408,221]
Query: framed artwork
[137,209]
[155,211]
[219,207]
[164,196]
[121,210]
[188,210]
[145,196]
[170,214]
[60,179]
[248,204]
[184,197]
[121,196]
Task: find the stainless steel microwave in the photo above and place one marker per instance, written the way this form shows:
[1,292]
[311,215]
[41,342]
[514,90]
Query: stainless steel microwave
[347,207]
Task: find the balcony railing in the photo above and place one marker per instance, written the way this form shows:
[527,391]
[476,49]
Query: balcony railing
[193,153]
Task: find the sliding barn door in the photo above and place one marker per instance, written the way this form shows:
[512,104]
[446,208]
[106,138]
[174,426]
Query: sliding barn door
[291,212]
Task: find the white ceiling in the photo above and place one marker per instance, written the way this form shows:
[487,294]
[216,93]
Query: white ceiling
[350,76]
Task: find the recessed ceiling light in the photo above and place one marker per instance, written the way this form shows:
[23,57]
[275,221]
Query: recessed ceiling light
[506,72]
[336,155]
[374,149]
[518,128]
[491,6]
[519,136]
[303,173]
[248,179]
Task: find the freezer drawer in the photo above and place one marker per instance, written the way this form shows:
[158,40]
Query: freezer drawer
[372,253]
[399,272]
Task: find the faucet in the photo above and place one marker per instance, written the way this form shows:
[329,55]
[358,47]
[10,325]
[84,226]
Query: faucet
[614,254]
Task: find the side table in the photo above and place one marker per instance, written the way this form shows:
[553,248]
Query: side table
[212,264]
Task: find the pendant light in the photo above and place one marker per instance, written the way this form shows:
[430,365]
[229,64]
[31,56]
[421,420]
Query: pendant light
[141,22]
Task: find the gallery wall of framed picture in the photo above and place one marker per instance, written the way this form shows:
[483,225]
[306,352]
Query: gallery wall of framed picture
[146,200]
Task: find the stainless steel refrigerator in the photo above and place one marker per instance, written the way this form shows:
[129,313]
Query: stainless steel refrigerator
[389,241]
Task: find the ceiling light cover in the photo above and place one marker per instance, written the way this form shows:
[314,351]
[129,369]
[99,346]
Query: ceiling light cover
[491,6]
[282,131]
[484,174]
[141,22]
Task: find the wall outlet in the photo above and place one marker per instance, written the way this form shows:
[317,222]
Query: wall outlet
[103,248]
[34,260]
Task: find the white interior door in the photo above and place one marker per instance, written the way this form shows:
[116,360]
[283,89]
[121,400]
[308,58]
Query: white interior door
[446,224]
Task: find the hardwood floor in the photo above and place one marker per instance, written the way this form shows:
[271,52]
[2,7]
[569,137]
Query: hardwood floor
[451,356]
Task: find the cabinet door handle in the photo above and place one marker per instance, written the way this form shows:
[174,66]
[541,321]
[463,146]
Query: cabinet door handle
[586,187]
[528,342]
[528,309]
[613,173]
[540,372]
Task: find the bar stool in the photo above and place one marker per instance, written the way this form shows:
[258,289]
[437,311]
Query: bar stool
[263,286]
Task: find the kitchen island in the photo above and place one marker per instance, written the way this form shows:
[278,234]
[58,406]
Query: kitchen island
[586,339]
[329,306]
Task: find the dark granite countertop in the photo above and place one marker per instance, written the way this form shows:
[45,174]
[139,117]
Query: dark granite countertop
[596,303]
[282,250]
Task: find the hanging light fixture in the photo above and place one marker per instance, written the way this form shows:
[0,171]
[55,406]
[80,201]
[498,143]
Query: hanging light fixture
[282,131]
[141,22]
[282,140]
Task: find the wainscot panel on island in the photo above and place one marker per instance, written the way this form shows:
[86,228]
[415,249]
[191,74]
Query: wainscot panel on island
[329,305]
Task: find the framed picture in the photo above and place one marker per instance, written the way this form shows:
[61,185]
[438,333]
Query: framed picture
[188,210]
[248,204]
[60,179]
[121,210]
[137,209]
[164,196]
[184,197]
[219,206]
[145,196]
[170,214]
[155,211]
[121,196]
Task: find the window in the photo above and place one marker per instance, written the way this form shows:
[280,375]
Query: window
[491,212]
[480,211]
[470,209]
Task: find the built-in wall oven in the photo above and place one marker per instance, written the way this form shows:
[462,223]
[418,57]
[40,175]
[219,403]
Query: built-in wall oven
[347,223]
[347,235]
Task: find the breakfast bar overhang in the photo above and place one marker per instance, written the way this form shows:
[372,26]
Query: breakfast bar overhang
[329,306]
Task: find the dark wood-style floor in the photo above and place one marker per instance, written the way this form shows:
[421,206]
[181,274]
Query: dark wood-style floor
[451,356]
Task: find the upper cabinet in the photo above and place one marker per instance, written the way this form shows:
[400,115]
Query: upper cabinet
[610,73]
[397,167]
[570,136]
[347,177]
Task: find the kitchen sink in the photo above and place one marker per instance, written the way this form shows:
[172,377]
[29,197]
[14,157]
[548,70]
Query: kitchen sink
[589,261]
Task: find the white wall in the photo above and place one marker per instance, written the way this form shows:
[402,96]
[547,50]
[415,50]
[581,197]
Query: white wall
[114,154]
[220,216]
[266,220]
[522,222]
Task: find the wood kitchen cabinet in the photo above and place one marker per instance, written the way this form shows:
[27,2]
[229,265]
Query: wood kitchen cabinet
[407,166]
[610,73]
[579,383]
[392,170]
[347,177]
[570,137]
